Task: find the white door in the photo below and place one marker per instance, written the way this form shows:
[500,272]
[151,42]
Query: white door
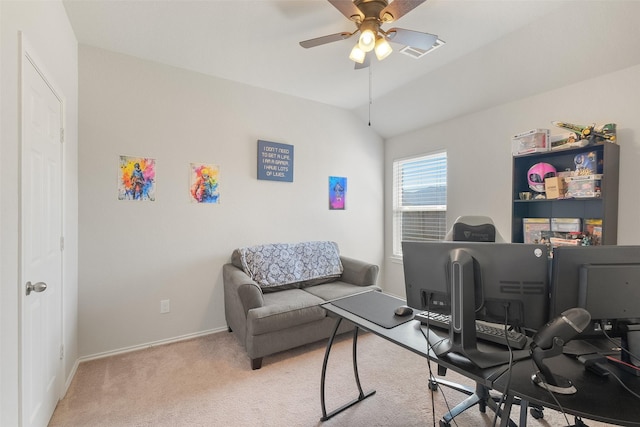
[41,251]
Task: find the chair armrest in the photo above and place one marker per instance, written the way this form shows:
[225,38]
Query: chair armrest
[237,284]
[358,272]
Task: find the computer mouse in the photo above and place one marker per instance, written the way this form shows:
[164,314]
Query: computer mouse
[403,310]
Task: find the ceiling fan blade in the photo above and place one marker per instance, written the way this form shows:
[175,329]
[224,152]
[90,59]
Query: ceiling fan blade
[399,8]
[347,8]
[411,38]
[325,39]
[365,63]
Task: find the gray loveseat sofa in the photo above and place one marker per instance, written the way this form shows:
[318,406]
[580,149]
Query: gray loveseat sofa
[272,294]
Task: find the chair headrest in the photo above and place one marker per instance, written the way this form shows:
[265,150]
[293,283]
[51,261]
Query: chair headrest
[473,233]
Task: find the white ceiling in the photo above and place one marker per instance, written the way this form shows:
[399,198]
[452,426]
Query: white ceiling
[496,50]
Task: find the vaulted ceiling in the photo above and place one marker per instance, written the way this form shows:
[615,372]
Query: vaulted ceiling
[496,50]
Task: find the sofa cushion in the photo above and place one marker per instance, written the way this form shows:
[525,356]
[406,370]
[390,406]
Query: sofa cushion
[284,309]
[338,289]
[286,265]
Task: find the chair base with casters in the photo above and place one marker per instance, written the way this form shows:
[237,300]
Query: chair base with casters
[477,396]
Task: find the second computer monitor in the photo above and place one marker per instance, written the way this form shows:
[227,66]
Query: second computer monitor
[605,280]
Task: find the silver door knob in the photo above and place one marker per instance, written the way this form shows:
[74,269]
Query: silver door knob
[37,287]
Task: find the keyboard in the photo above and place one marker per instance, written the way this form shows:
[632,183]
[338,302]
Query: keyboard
[484,331]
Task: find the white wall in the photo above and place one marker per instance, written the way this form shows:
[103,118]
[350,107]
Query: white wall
[579,40]
[479,153]
[46,27]
[134,254]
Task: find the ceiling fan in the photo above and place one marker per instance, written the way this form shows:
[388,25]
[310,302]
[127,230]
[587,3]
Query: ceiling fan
[369,16]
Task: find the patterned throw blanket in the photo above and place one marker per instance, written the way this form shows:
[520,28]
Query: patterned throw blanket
[281,264]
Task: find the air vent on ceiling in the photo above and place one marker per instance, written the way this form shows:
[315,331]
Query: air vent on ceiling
[416,53]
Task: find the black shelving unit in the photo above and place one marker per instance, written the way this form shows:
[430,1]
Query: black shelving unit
[605,206]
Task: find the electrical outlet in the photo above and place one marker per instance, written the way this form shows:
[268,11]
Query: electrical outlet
[164,306]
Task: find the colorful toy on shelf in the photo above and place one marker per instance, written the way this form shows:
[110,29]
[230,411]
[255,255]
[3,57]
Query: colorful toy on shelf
[537,174]
[567,140]
[586,163]
[592,133]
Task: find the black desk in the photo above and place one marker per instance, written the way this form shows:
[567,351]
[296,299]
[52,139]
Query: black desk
[598,398]
[410,336]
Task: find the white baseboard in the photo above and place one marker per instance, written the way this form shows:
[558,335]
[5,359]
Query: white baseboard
[149,345]
[67,382]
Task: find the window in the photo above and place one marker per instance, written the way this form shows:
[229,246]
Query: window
[419,199]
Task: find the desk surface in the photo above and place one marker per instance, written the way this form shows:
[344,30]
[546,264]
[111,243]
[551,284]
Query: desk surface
[598,398]
[412,336]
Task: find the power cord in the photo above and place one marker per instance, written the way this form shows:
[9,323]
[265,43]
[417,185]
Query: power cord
[631,355]
[628,365]
[621,362]
[634,394]
[431,376]
[506,390]
[553,396]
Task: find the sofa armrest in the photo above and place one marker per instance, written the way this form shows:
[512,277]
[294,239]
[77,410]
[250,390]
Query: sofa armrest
[237,284]
[358,272]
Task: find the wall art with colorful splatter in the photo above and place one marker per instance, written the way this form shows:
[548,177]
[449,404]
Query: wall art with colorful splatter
[205,185]
[337,192]
[137,179]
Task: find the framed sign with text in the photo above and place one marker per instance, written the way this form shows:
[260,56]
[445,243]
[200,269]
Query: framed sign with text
[275,161]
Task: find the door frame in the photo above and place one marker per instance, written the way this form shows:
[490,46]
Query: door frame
[28,53]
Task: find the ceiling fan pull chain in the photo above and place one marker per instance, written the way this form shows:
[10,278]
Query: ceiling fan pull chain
[370,97]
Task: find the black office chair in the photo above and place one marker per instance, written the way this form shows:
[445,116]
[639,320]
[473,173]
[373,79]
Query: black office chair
[471,229]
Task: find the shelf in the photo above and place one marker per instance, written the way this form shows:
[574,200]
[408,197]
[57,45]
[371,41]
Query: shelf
[604,207]
[575,199]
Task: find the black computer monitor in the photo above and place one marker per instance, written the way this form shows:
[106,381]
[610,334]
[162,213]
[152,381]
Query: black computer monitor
[495,282]
[605,281]
[602,279]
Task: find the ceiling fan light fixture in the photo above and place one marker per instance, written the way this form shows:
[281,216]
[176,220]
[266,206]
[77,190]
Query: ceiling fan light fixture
[357,54]
[367,40]
[383,48]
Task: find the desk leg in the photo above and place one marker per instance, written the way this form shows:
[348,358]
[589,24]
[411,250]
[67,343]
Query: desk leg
[524,408]
[361,394]
[506,411]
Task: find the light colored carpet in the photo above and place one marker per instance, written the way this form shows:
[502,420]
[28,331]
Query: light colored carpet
[208,382]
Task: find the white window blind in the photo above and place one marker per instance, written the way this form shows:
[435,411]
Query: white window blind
[419,199]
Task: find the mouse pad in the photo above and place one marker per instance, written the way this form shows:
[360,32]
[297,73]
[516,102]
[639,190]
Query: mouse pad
[375,307]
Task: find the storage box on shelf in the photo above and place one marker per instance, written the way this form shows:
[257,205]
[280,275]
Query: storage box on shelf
[584,186]
[555,187]
[532,141]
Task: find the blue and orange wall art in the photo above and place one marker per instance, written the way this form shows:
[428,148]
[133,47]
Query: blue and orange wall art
[205,185]
[137,179]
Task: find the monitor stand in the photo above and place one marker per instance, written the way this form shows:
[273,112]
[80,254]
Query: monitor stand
[544,377]
[462,332]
